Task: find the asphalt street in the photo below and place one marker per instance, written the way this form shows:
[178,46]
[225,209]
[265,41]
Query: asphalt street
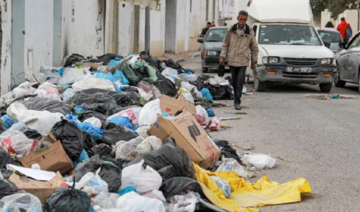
[315,139]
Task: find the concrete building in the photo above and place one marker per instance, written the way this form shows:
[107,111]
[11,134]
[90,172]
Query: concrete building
[45,31]
[226,11]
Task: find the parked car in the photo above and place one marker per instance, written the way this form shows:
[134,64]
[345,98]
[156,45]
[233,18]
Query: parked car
[332,36]
[348,63]
[211,48]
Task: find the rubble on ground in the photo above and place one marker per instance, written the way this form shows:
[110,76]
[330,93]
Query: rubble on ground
[116,133]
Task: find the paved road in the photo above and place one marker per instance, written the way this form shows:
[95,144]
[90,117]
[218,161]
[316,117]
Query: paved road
[319,139]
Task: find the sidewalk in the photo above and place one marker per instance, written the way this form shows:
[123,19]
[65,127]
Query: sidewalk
[180,57]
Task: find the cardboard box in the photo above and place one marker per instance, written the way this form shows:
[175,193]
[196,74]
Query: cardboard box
[52,158]
[38,188]
[189,135]
[173,105]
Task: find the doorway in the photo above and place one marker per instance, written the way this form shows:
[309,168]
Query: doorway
[170,26]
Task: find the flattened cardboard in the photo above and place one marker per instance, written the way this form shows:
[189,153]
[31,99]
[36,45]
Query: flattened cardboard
[52,158]
[190,136]
[40,189]
[173,105]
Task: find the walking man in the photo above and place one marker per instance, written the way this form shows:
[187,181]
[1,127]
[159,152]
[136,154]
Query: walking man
[240,46]
[345,30]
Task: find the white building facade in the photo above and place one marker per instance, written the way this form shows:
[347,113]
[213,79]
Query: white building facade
[45,31]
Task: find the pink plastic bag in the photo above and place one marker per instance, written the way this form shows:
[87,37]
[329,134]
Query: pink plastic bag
[215,124]
[201,115]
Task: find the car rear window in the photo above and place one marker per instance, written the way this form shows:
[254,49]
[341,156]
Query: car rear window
[330,37]
[215,35]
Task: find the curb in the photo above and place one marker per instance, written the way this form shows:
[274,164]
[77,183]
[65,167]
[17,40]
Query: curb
[179,60]
[196,55]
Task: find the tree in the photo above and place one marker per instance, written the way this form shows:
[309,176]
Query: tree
[336,7]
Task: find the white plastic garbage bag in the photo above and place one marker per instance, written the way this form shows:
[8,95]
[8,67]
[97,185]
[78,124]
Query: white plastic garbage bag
[143,131]
[42,121]
[18,143]
[23,89]
[191,87]
[170,74]
[148,114]
[48,90]
[126,150]
[134,58]
[105,200]
[71,75]
[201,115]
[68,94]
[188,78]
[259,161]
[231,165]
[156,194]
[181,203]
[92,183]
[93,83]
[150,144]
[94,122]
[144,94]
[132,113]
[218,81]
[134,202]
[187,95]
[140,178]
[25,202]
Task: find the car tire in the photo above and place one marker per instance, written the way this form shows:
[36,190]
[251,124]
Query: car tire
[338,82]
[259,86]
[205,70]
[325,87]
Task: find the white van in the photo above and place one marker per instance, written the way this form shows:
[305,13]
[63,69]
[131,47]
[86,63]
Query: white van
[290,49]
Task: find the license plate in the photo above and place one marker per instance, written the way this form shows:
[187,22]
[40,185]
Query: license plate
[299,70]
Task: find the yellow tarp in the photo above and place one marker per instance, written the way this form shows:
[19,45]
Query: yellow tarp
[263,192]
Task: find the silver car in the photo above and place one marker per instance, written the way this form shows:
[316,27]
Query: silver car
[348,63]
[331,36]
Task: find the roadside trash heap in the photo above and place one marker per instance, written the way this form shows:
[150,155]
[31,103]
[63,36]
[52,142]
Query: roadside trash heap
[113,133]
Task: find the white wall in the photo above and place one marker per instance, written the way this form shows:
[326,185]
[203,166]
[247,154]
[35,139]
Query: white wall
[38,35]
[83,27]
[126,28]
[351,17]
[6,47]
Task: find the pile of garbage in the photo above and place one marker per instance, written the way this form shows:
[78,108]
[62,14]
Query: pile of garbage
[110,134]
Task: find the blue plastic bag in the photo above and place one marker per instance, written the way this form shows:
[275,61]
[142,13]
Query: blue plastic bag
[123,121]
[79,109]
[210,112]
[206,94]
[107,76]
[8,122]
[223,185]
[60,71]
[126,190]
[113,63]
[95,133]
[119,75]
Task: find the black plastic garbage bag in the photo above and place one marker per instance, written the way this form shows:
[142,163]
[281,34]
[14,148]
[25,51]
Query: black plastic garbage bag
[51,105]
[166,87]
[110,171]
[89,143]
[72,59]
[114,133]
[179,186]
[71,137]
[7,188]
[199,84]
[105,59]
[172,64]
[169,161]
[220,92]
[141,72]
[102,149]
[68,200]
[33,134]
[2,126]
[6,173]
[227,151]
[91,113]
[5,158]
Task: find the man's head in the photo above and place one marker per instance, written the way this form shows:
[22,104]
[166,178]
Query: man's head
[208,25]
[342,19]
[242,18]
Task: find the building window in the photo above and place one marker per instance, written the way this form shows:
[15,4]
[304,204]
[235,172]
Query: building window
[207,10]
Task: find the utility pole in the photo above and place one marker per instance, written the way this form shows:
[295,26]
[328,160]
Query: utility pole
[147,29]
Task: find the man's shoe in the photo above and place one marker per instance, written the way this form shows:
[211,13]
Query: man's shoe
[237,107]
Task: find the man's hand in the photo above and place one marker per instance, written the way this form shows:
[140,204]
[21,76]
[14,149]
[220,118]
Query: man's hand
[222,61]
[253,65]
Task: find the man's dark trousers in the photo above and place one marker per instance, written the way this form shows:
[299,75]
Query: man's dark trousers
[238,77]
